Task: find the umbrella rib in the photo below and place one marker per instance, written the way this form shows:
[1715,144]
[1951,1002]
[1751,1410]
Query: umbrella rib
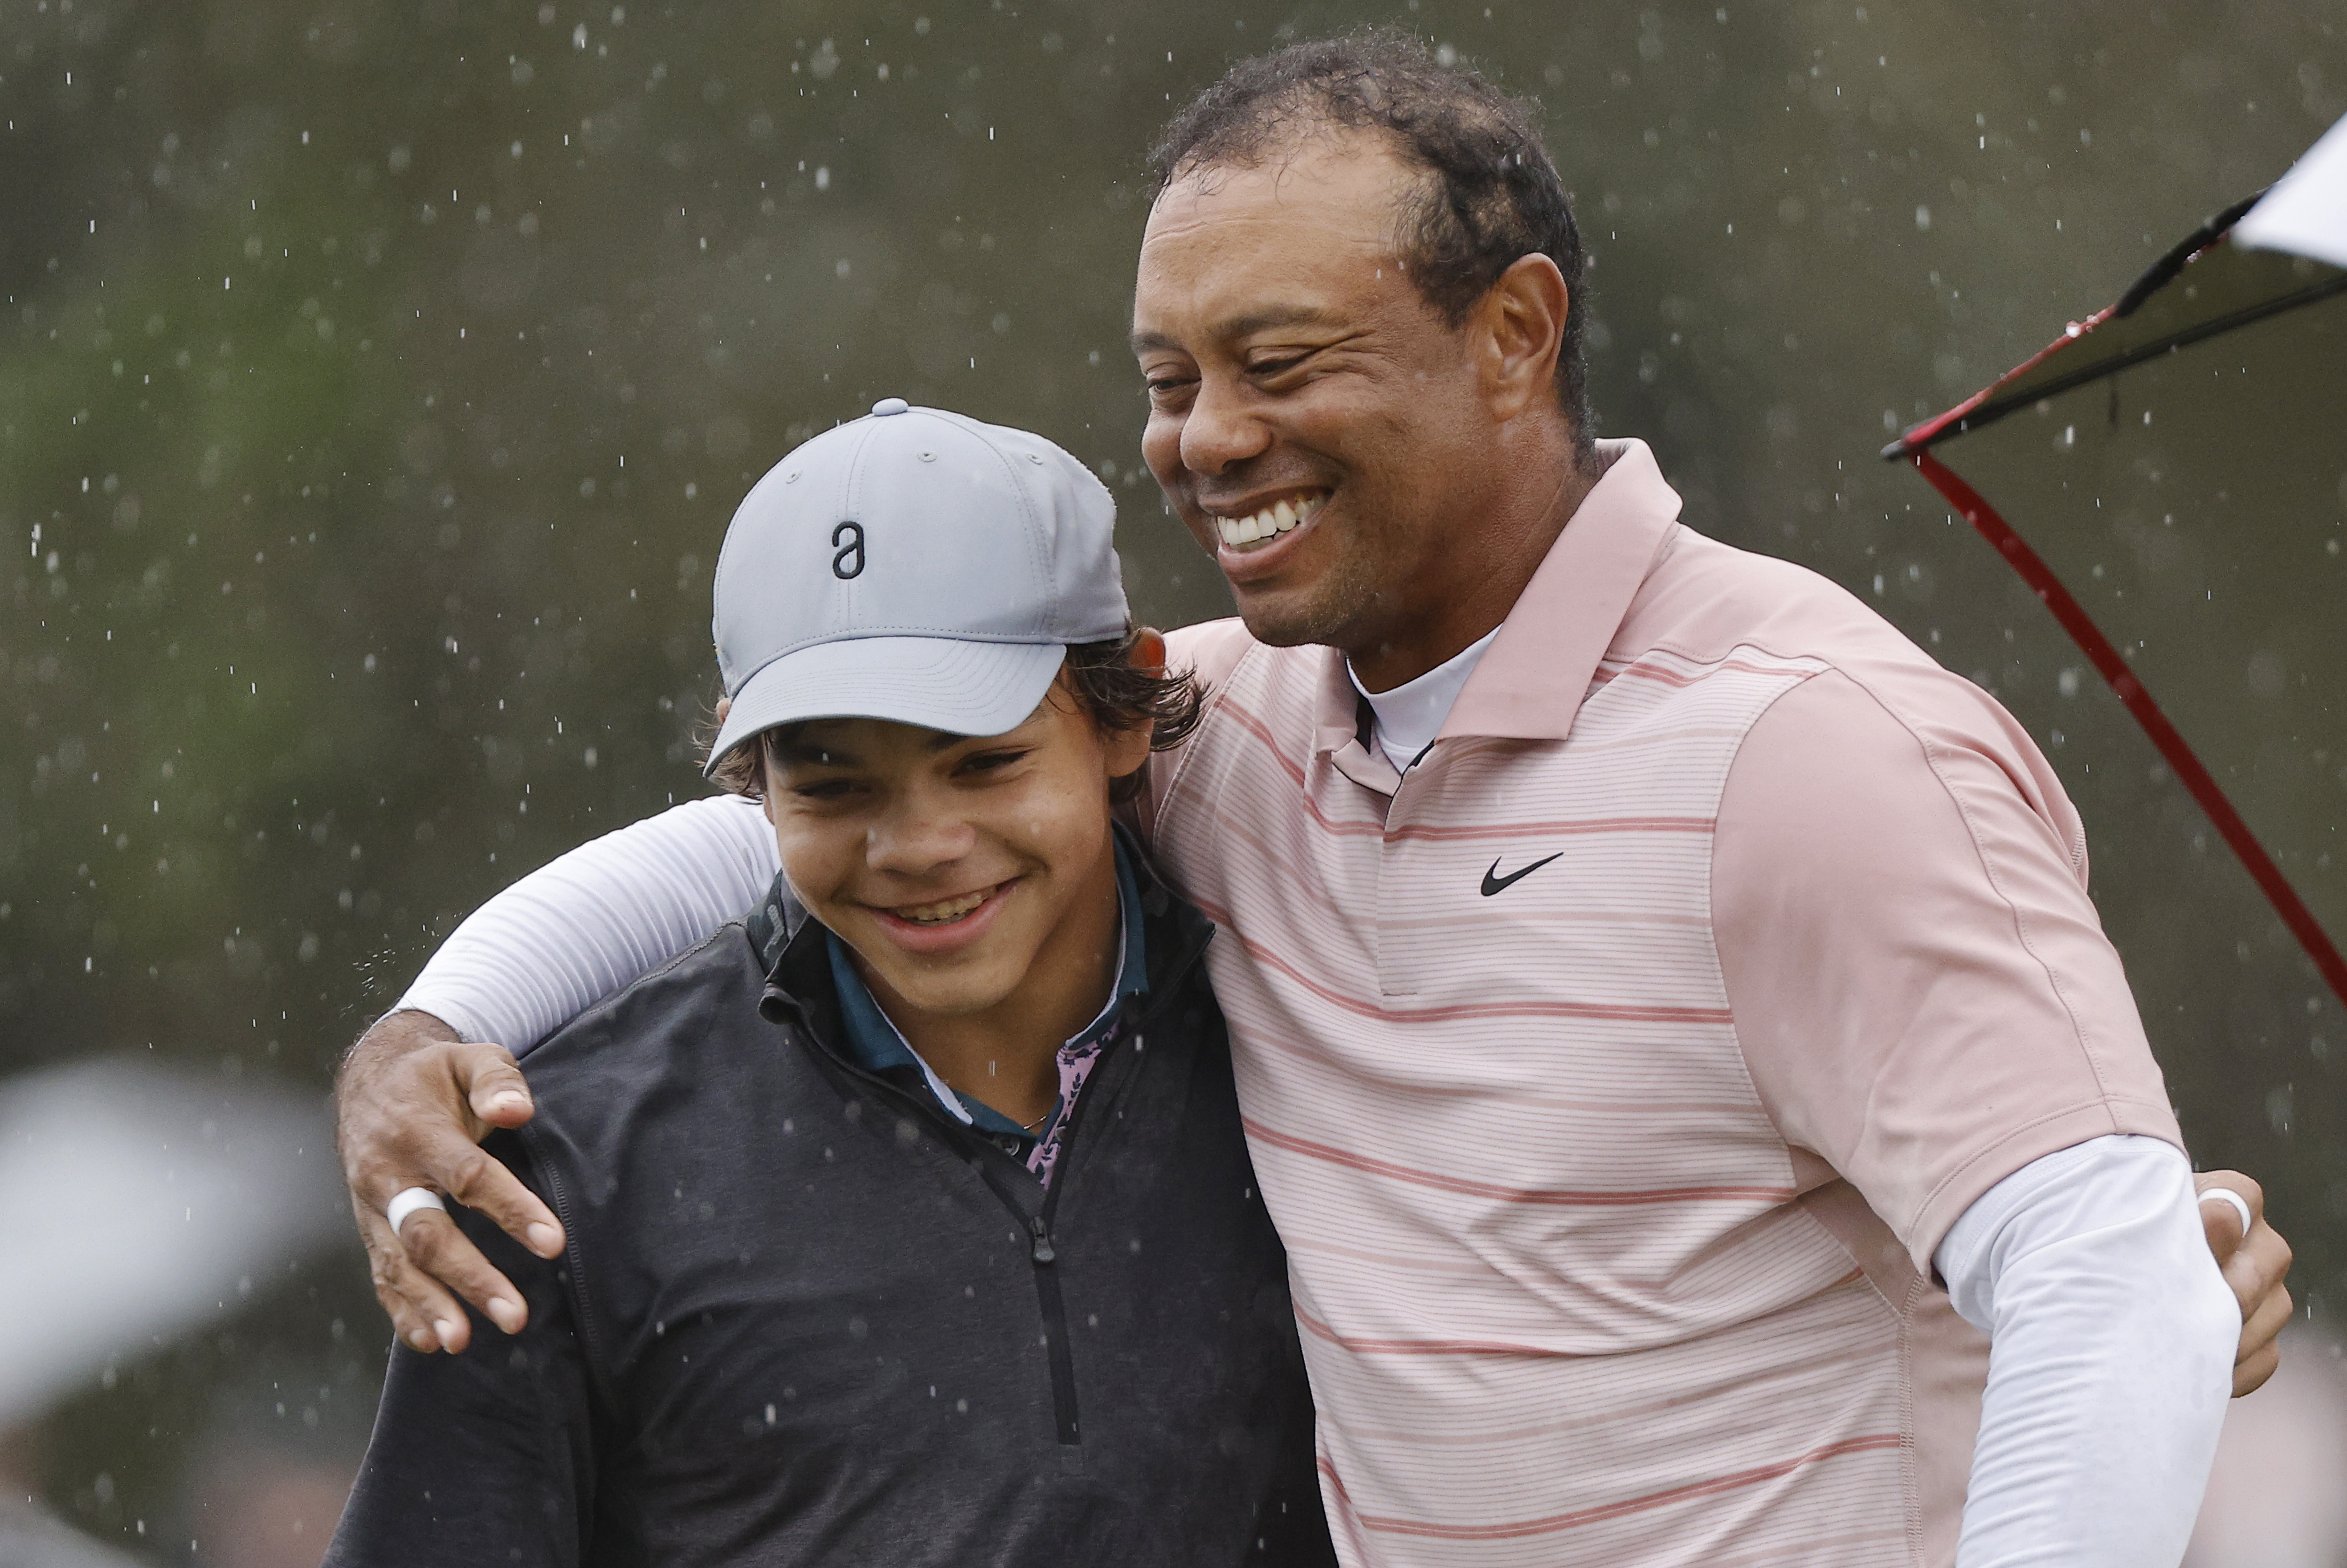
[1992,409]
[2170,742]
[2246,316]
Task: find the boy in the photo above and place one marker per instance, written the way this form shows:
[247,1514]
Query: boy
[911,1220]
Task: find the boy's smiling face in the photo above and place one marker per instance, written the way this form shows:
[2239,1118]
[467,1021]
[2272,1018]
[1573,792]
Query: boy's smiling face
[967,873]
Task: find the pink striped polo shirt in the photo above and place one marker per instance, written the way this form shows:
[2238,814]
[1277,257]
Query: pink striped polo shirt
[1613,1075]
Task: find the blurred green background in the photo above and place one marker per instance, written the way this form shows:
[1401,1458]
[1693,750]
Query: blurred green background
[376,380]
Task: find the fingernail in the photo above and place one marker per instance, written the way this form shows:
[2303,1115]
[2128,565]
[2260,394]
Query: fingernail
[445,1329]
[545,1240]
[421,1339]
[506,1313]
[511,1100]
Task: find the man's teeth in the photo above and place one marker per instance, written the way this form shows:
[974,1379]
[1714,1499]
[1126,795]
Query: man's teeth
[1274,520]
[944,913]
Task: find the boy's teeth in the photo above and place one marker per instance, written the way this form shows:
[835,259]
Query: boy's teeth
[948,910]
[1273,520]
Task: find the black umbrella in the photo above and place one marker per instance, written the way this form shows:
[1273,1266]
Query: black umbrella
[2179,461]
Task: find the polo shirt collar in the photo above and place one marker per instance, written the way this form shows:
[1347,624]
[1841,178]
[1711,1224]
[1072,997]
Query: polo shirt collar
[1530,683]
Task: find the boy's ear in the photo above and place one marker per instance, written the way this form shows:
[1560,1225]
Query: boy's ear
[1148,653]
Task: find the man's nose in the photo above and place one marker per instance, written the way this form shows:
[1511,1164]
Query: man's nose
[1221,428]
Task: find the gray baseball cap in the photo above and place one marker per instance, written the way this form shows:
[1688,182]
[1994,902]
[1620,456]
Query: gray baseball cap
[917,566]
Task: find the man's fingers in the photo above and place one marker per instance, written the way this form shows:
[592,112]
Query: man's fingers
[492,1084]
[2255,1273]
[2225,1219]
[2256,1268]
[435,1246]
[411,1100]
[480,1181]
[2265,1322]
[2250,1376]
[2260,1262]
[2255,1259]
[424,1317]
[2220,1215]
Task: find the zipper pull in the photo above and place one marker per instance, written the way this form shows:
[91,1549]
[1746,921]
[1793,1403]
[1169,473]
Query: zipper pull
[1043,1252]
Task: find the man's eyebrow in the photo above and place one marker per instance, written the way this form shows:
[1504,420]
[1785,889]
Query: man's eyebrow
[1242,326]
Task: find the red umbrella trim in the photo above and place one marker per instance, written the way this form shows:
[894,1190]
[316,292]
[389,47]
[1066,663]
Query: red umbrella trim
[2171,743]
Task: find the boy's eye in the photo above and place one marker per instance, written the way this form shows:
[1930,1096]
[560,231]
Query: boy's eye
[825,789]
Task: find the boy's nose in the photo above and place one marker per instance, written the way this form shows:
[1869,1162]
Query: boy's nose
[913,844]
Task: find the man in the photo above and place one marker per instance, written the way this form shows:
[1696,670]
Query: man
[910,1221]
[1650,978]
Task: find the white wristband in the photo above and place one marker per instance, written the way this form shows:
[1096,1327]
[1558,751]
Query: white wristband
[407,1200]
[2241,1207]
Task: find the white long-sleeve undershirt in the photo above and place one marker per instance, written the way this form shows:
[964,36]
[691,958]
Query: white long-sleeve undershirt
[2111,1330]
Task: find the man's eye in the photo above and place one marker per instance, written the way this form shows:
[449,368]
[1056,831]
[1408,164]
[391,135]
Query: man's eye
[1276,366]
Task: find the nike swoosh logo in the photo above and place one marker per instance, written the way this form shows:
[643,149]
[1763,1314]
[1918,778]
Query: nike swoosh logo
[1496,884]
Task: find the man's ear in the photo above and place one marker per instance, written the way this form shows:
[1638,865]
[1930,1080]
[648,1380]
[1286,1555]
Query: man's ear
[1148,652]
[1521,322]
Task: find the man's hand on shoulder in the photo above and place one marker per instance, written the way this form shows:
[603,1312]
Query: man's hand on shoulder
[2254,1258]
[412,1104]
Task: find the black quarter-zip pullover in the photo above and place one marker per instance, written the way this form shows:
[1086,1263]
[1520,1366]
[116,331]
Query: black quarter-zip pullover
[806,1317]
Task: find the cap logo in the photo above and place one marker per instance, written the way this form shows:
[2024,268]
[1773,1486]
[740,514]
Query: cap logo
[847,551]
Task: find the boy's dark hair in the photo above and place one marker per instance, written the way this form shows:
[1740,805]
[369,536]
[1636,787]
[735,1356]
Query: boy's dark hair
[1493,196]
[1114,695]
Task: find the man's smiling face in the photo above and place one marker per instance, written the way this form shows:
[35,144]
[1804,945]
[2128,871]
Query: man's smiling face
[1317,426]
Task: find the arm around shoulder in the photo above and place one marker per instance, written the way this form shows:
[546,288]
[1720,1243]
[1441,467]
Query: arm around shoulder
[434,1075]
